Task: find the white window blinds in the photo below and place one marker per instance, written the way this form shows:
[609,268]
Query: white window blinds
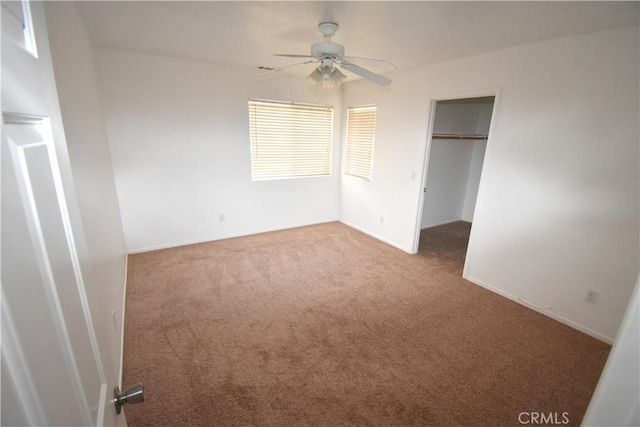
[361,125]
[289,140]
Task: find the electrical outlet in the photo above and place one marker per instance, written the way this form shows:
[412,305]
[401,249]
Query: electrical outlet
[381,219]
[221,217]
[592,297]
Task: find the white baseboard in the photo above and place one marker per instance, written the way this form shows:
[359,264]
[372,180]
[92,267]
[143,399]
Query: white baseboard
[222,237]
[378,237]
[554,316]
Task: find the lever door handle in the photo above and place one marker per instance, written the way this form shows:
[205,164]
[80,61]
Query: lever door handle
[133,395]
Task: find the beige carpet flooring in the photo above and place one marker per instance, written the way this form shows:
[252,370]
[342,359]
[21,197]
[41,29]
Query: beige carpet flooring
[325,326]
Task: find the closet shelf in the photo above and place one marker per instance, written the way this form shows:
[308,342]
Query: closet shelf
[458,136]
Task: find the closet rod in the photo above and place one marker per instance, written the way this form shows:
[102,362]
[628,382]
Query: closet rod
[457,136]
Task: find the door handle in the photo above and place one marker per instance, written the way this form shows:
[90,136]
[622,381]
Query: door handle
[133,395]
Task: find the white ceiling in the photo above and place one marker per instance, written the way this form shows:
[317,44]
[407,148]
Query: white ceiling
[409,34]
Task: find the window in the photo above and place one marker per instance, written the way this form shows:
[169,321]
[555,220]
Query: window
[289,140]
[361,125]
[18,26]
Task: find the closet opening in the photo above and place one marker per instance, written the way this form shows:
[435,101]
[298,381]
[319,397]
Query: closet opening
[455,157]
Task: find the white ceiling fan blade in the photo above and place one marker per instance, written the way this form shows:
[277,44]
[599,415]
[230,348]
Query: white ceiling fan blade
[376,78]
[271,70]
[293,55]
[380,63]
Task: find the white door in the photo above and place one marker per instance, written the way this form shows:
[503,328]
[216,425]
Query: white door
[52,373]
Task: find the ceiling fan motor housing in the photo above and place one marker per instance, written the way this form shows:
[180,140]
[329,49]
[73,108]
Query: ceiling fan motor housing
[327,49]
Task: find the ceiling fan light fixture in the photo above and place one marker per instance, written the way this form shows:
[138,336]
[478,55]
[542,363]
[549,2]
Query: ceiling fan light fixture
[326,77]
[337,76]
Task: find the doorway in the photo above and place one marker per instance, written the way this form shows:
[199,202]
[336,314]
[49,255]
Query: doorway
[455,157]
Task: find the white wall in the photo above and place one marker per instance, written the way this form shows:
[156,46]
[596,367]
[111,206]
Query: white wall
[179,137]
[456,117]
[557,210]
[447,181]
[104,262]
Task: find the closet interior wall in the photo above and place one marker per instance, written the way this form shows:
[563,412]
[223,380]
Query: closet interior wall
[455,165]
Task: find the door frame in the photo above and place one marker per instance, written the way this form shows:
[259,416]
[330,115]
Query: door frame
[433,101]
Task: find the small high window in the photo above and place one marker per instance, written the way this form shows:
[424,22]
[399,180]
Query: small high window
[18,25]
[361,126]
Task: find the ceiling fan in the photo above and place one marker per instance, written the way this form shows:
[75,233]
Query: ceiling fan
[329,55]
